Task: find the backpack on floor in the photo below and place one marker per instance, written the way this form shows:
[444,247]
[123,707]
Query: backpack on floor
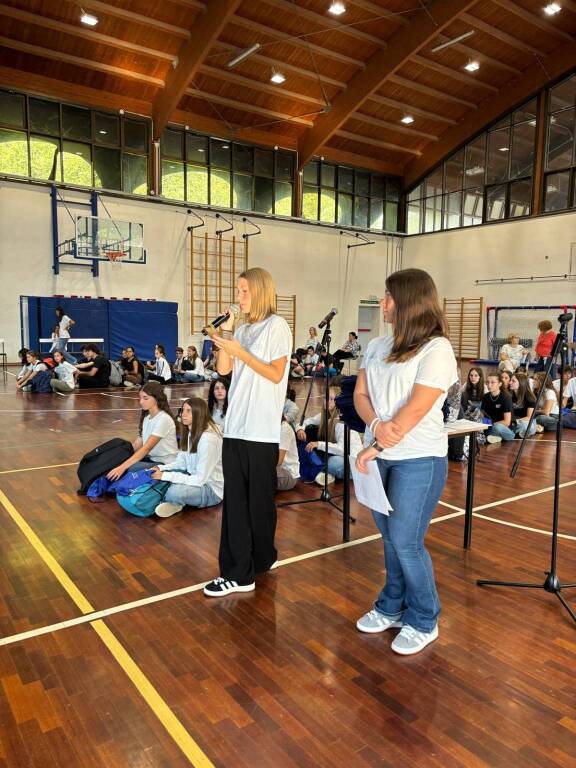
[116,374]
[569,420]
[345,403]
[49,362]
[101,460]
[41,382]
[456,447]
[142,501]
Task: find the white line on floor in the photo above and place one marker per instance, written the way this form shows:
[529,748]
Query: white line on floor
[522,496]
[523,527]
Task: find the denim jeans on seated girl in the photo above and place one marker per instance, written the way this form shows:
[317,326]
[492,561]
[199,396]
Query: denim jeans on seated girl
[193,496]
[413,487]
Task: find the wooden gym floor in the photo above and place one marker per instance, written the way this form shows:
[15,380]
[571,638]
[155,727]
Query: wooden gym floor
[110,655]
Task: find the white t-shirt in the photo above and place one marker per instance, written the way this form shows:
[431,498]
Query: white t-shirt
[390,387]
[162,425]
[515,353]
[64,325]
[39,366]
[163,368]
[218,417]
[570,389]
[65,372]
[255,403]
[551,395]
[288,443]
[201,468]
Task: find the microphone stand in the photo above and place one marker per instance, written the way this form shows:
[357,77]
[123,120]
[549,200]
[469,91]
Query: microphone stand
[325,495]
[552,581]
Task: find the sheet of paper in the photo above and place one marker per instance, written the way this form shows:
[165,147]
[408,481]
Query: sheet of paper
[369,489]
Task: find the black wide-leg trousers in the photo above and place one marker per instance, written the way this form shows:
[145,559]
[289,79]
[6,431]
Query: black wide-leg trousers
[248,512]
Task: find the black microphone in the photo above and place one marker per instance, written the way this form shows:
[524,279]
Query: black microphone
[329,317]
[565,318]
[209,329]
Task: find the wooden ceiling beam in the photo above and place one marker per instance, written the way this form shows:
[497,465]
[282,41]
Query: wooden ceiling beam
[499,34]
[82,32]
[206,28]
[106,9]
[256,85]
[403,44]
[376,142]
[67,58]
[455,74]
[298,42]
[367,162]
[409,108]
[531,18]
[378,10]
[242,106]
[474,53]
[396,127]
[536,77]
[215,127]
[434,92]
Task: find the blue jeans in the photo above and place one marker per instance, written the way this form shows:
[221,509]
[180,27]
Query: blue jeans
[188,376]
[550,423]
[522,426]
[506,433]
[336,466]
[61,347]
[541,364]
[413,487]
[193,496]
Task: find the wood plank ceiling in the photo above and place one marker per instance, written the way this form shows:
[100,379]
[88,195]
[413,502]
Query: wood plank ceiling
[349,80]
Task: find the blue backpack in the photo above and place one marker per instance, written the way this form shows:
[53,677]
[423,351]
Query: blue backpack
[142,501]
[41,382]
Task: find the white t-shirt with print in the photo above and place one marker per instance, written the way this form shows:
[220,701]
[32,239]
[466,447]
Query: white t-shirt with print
[550,395]
[64,325]
[162,368]
[390,387]
[65,372]
[288,443]
[162,425]
[254,402]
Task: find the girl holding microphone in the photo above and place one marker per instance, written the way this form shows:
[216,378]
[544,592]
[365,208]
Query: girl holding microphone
[257,356]
[399,395]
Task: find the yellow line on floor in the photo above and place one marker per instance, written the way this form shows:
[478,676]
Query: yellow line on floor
[144,687]
[31,469]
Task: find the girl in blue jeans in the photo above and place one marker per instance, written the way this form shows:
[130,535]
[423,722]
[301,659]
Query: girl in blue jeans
[399,395]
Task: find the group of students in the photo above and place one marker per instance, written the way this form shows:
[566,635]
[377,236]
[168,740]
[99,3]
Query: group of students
[313,358]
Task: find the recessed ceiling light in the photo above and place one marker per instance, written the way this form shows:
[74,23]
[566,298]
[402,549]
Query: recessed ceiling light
[337,8]
[472,66]
[225,146]
[89,19]
[277,77]
[407,119]
[504,149]
[476,170]
[200,150]
[103,132]
[552,9]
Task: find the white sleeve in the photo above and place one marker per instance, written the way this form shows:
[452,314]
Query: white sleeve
[179,463]
[571,389]
[280,340]
[208,456]
[311,421]
[199,366]
[162,426]
[285,441]
[437,368]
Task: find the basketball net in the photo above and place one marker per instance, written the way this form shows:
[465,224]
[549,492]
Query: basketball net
[115,258]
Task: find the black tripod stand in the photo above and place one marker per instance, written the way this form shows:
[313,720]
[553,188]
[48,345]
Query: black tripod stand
[325,495]
[552,582]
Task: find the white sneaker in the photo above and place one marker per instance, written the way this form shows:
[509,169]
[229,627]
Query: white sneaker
[220,587]
[539,429]
[493,439]
[320,478]
[374,621]
[167,510]
[410,640]
[129,384]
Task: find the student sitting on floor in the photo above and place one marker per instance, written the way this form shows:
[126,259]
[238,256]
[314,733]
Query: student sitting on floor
[198,481]
[160,369]
[96,373]
[22,353]
[473,391]
[523,402]
[310,361]
[34,366]
[288,467]
[192,367]
[548,411]
[177,365]
[569,394]
[133,369]
[291,411]
[505,379]
[218,400]
[296,367]
[156,441]
[314,430]
[497,406]
[65,374]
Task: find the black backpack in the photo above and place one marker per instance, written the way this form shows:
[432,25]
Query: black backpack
[102,459]
[345,403]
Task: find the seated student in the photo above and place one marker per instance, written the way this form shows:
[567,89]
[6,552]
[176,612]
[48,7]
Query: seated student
[512,354]
[97,374]
[192,367]
[65,374]
[296,367]
[177,364]
[548,411]
[201,483]
[288,467]
[505,379]
[310,361]
[325,363]
[569,394]
[347,351]
[313,342]
[25,364]
[160,369]
[156,442]
[82,362]
[567,377]
[34,366]
[314,430]
[497,406]
[133,369]
[523,402]
[473,391]
[218,400]
[544,345]
[291,411]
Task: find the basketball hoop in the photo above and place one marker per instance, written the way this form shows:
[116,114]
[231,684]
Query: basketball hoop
[115,257]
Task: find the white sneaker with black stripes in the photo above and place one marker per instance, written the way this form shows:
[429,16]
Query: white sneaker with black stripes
[220,587]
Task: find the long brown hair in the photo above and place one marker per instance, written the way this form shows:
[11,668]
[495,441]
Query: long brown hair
[523,396]
[417,315]
[333,419]
[475,392]
[541,380]
[201,421]
[155,390]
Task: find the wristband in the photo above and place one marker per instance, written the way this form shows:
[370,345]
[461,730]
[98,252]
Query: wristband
[374,421]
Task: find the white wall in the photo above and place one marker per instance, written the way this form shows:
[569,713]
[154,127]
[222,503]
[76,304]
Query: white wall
[309,261]
[522,248]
